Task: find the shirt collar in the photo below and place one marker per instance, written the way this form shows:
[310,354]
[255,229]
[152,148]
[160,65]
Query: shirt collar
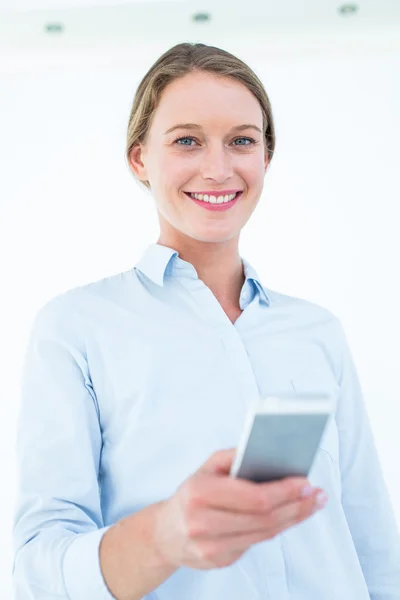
[158,261]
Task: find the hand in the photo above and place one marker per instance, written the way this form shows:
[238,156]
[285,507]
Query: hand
[213,518]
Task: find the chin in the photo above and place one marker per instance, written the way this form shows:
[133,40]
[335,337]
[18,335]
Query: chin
[213,237]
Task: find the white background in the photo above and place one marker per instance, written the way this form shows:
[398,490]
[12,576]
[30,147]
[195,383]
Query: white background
[327,225]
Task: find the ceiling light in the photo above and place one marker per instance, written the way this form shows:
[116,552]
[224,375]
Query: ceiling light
[348,9]
[54,27]
[201,17]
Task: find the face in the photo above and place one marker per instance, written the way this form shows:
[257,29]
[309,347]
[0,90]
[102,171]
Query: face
[214,157]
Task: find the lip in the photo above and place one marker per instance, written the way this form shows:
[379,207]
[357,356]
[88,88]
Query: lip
[215,207]
[216,193]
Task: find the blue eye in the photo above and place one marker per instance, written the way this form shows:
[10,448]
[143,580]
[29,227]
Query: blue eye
[189,137]
[245,138]
[184,138]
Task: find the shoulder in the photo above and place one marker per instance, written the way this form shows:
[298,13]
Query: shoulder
[310,319]
[301,307]
[68,310]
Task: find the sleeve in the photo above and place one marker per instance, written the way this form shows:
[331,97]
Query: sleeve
[365,498]
[58,523]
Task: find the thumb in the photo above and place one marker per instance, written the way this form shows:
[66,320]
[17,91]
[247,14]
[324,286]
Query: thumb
[219,462]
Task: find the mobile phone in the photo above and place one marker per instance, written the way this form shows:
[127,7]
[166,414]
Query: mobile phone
[281,437]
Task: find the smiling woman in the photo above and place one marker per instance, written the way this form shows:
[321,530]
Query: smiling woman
[136,389]
[202,60]
[200,130]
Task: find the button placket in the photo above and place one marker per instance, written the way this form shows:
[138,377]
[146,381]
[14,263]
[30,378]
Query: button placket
[268,560]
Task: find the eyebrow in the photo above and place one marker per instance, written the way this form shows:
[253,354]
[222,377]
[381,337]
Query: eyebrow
[194,126]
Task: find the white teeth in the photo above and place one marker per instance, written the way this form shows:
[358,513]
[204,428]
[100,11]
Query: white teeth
[214,199]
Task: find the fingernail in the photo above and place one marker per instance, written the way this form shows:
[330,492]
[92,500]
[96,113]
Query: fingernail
[306,491]
[320,500]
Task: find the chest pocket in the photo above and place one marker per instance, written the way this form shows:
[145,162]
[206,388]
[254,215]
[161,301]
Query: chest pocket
[311,382]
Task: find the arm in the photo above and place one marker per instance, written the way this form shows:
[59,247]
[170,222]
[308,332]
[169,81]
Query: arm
[130,562]
[365,497]
[58,523]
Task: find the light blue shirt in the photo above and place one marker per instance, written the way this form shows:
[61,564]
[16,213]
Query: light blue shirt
[131,382]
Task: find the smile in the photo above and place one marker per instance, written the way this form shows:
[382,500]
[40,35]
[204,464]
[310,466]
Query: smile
[216,203]
[214,198]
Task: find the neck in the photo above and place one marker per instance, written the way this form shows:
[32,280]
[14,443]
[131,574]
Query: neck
[218,265]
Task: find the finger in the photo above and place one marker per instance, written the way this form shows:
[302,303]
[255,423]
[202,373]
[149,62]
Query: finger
[241,541]
[231,545]
[220,523]
[219,462]
[241,495]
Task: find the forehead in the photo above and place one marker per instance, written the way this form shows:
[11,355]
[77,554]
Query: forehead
[205,98]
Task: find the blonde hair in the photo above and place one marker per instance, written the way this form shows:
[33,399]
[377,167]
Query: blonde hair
[179,61]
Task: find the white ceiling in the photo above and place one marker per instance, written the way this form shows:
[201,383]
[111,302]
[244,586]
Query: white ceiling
[91,25]
[311,11]
[30,5]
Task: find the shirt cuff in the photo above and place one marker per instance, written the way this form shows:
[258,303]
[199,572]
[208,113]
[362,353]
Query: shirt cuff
[83,577]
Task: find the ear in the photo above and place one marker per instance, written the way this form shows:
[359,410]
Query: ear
[136,162]
[266,161]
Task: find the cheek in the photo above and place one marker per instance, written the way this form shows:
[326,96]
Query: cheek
[252,164]
[252,174]
[173,170]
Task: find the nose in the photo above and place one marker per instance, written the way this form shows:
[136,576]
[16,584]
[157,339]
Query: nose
[216,164]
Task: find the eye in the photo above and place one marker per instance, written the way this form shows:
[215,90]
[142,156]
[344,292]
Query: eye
[189,137]
[245,138]
[184,138]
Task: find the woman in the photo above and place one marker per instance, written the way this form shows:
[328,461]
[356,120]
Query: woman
[136,388]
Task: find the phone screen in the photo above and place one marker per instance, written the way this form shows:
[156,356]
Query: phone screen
[281,439]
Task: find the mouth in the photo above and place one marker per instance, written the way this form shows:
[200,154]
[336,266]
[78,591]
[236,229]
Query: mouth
[212,198]
[227,203]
